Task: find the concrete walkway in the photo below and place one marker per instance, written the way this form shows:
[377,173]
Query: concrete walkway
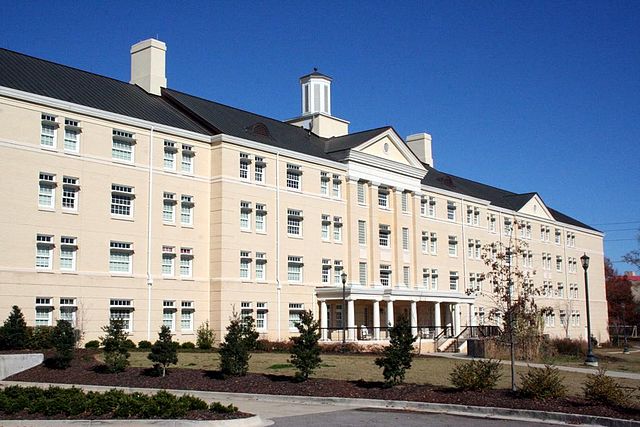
[582,370]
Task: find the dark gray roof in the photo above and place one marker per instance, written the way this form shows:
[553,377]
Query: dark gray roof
[496,196]
[33,75]
[315,73]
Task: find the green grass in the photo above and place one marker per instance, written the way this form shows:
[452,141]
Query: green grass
[425,370]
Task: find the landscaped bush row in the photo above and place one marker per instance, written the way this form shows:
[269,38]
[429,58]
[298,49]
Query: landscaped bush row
[74,402]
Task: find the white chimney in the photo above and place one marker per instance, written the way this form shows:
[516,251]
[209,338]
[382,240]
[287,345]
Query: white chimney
[148,65]
[420,144]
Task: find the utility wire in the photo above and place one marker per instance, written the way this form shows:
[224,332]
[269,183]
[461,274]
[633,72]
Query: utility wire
[617,223]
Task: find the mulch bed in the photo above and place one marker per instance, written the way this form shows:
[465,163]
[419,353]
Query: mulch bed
[86,370]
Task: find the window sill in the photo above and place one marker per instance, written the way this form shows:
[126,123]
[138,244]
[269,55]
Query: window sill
[71,272]
[44,270]
[169,224]
[113,274]
[168,278]
[261,232]
[187,279]
[46,209]
[47,148]
[186,225]
[123,162]
[245,230]
[187,332]
[72,153]
[69,212]
[122,218]
[294,236]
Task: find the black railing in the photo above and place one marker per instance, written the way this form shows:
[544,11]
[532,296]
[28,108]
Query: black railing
[366,333]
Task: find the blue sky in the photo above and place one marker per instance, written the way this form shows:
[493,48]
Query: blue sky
[528,96]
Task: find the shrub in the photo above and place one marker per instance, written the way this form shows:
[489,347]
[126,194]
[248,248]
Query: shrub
[164,351]
[336,347]
[219,408]
[129,344]
[116,349]
[274,346]
[92,344]
[187,345]
[476,375]
[239,341]
[305,353]
[64,341]
[144,345]
[397,357]
[601,388]
[542,383]
[39,337]
[569,347]
[13,334]
[205,336]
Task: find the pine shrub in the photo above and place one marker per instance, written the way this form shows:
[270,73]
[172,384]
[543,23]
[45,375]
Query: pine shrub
[240,340]
[205,336]
[92,344]
[164,351]
[13,334]
[305,352]
[542,383]
[599,387]
[116,348]
[476,375]
[64,341]
[397,356]
[144,345]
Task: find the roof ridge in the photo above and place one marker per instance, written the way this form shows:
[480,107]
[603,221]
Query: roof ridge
[360,131]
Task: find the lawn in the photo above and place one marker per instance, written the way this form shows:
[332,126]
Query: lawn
[612,358]
[425,369]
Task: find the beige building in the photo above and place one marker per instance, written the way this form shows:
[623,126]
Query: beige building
[135,201]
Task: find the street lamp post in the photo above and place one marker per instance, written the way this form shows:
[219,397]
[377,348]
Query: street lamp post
[591,360]
[343,276]
[625,348]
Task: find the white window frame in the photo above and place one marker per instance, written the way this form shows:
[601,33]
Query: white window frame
[294,222]
[186,263]
[294,177]
[47,190]
[121,254]
[261,266]
[454,281]
[167,266]
[186,210]
[169,156]
[362,273]
[70,191]
[186,162]
[295,310]
[122,201]
[261,218]
[169,314]
[245,265]
[362,232]
[187,311]
[295,269]
[405,238]
[72,133]
[245,216]
[68,308]
[451,210]
[122,309]
[68,253]
[169,207]
[362,194]
[44,252]
[123,146]
[325,227]
[44,311]
[48,131]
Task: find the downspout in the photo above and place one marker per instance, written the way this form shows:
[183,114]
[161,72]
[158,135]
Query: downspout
[278,284]
[149,229]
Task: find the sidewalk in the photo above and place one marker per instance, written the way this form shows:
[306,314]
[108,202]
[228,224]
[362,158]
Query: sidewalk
[585,370]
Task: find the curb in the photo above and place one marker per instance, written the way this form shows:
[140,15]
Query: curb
[254,421]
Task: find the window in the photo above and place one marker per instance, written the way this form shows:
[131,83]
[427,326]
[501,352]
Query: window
[294,269]
[362,232]
[120,257]
[550,319]
[168,207]
[469,217]
[44,251]
[324,183]
[245,216]
[385,274]
[48,131]
[492,223]
[426,276]
[406,275]
[453,280]
[362,196]
[545,233]
[70,189]
[508,227]
[68,250]
[293,176]
[169,314]
[294,222]
[572,265]
[383,197]
[474,249]
[122,309]
[383,232]
[44,311]
[186,262]
[338,323]
[47,190]
[434,279]
[186,210]
[563,318]
[68,310]
[186,315]
[571,240]
[558,263]
[575,318]
[245,161]
[122,146]
[324,228]
[404,202]
[186,165]
[169,159]
[261,262]
[362,273]
[481,315]
[560,290]
[122,200]
[405,238]
[71,136]
[337,187]
[453,246]
[261,213]
[451,210]
[337,229]
[258,169]
[546,261]
[431,209]
[245,260]
[337,270]
[547,289]
[168,259]
[295,309]
[326,269]
[558,237]
[261,316]
[246,311]
[424,204]
[472,286]
[573,290]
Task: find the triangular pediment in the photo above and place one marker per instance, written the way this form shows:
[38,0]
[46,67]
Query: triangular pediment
[536,207]
[388,145]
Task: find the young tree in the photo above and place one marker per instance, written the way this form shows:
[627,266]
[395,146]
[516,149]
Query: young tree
[205,336]
[397,356]
[633,257]
[13,335]
[164,351]
[240,340]
[305,353]
[64,339]
[116,353]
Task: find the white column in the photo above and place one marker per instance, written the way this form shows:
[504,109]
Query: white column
[414,318]
[376,320]
[351,325]
[390,320]
[436,320]
[323,319]
[456,318]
